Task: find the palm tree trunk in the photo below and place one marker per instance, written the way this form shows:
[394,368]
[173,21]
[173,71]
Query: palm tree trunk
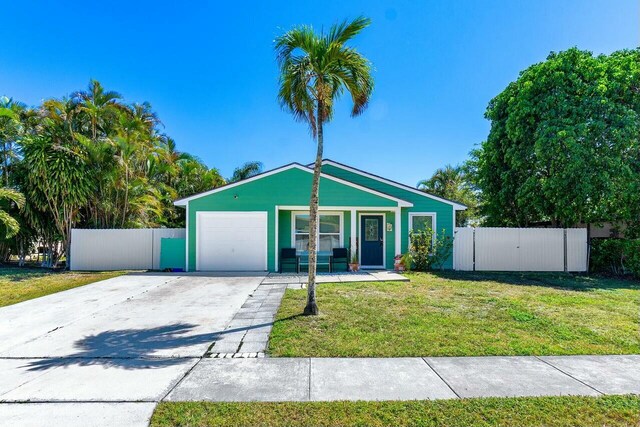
[312,306]
[6,163]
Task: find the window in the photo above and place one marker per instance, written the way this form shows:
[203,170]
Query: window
[418,221]
[329,236]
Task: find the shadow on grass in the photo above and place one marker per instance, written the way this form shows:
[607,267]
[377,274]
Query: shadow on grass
[565,281]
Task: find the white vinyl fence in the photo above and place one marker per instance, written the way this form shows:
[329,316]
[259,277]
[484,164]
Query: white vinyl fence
[520,249]
[119,249]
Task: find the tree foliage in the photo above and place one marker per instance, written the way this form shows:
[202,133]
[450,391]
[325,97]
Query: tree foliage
[451,182]
[564,143]
[89,160]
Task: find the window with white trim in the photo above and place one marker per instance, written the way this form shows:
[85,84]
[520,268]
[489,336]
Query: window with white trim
[420,221]
[329,232]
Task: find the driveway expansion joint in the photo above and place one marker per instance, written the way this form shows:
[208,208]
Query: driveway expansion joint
[440,376]
[569,375]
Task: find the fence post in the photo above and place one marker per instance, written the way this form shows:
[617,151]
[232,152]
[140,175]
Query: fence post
[474,249]
[564,234]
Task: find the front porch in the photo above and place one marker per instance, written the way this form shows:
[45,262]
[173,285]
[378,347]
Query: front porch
[373,233]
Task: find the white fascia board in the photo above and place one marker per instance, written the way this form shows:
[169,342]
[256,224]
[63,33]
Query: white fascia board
[455,205]
[401,203]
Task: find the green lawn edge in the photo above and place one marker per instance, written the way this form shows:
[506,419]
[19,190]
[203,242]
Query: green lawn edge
[562,411]
[23,284]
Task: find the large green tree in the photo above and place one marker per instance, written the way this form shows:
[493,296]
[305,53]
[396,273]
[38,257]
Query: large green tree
[564,143]
[315,69]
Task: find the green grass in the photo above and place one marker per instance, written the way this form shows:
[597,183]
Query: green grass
[524,412]
[21,284]
[463,314]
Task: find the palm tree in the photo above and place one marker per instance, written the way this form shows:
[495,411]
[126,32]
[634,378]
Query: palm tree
[245,171]
[444,182]
[99,105]
[10,224]
[315,69]
[10,131]
[451,182]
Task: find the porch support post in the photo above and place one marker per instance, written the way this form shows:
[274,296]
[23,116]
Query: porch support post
[276,267]
[354,234]
[398,221]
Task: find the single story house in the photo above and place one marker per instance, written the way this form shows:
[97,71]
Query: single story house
[246,224]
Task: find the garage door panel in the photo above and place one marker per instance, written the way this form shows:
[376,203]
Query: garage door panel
[232,241]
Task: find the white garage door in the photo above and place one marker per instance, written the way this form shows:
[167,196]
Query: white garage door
[231,241]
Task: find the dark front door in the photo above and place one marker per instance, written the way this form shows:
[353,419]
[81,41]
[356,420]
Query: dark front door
[371,240]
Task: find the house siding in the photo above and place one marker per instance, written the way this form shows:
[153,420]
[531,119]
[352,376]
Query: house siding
[443,211]
[290,187]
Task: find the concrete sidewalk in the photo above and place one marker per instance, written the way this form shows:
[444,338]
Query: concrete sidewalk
[326,379]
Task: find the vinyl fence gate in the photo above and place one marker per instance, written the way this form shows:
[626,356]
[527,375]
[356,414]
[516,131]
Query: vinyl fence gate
[520,249]
[119,249]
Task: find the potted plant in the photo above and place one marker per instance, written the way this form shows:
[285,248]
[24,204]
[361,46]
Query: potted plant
[354,265]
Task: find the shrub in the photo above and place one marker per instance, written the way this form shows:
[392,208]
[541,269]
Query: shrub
[617,256]
[429,250]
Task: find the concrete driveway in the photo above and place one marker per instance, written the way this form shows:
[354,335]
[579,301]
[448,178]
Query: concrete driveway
[127,339]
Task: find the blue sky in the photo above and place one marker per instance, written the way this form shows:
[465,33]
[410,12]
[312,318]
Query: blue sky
[208,69]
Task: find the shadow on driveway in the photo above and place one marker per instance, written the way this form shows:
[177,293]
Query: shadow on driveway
[135,348]
[119,348]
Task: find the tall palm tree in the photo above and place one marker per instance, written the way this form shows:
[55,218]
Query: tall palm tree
[245,171]
[10,131]
[315,69]
[99,105]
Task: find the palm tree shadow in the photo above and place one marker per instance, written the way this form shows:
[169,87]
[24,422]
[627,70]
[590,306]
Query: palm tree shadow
[136,348]
[129,348]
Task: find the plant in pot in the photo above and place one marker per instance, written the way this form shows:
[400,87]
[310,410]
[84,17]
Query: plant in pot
[354,264]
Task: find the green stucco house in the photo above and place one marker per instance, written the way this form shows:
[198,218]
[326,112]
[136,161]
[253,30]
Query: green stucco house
[244,226]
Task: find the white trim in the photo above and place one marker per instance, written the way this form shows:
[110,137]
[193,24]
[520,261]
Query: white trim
[453,248]
[398,225]
[353,232]
[276,266]
[338,208]
[434,223]
[456,206]
[199,214]
[186,267]
[400,202]
[302,212]
[384,239]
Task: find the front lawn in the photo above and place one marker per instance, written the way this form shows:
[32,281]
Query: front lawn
[524,412]
[21,284]
[463,314]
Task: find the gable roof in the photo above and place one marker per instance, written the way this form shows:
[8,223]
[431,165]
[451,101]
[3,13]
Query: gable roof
[456,205]
[185,200]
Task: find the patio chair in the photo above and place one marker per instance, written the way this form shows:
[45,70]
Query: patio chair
[289,261]
[340,259]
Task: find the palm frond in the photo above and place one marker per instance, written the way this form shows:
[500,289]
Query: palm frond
[10,224]
[345,31]
[13,195]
